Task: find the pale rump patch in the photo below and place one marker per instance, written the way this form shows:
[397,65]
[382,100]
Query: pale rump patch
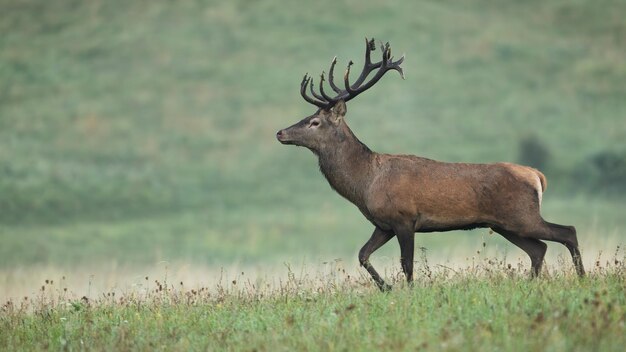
[539,188]
[530,176]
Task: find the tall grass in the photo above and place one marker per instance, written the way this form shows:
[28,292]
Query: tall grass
[490,305]
[143,131]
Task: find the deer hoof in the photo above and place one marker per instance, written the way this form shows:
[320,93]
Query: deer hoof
[384,288]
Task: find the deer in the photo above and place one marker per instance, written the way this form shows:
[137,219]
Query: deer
[402,195]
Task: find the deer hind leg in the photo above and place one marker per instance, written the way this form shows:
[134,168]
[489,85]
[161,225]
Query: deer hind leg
[535,249]
[378,239]
[542,230]
[565,235]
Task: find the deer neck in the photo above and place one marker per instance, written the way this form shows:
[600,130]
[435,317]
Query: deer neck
[347,165]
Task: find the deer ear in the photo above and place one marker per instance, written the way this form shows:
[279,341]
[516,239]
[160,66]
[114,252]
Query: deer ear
[339,110]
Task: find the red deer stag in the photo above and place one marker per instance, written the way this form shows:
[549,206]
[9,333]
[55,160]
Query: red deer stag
[405,194]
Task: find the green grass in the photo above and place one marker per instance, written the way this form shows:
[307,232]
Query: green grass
[489,307]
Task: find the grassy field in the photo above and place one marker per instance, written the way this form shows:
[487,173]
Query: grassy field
[490,307]
[137,139]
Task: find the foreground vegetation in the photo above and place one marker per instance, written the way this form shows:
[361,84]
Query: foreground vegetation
[489,307]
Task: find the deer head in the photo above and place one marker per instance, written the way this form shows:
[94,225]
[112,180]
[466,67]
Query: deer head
[326,127]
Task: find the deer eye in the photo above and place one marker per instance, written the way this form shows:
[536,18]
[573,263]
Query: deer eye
[314,123]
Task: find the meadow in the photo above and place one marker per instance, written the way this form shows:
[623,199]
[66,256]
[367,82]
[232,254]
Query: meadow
[137,139]
[491,306]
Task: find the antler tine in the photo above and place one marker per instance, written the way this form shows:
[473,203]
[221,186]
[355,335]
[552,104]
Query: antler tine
[369,47]
[346,80]
[326,97]
[314,94]
[368,67]
[331,78]
[306,80]
[386,49]
[396,65]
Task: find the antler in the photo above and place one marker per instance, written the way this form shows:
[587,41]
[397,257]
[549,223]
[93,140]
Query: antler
[324,101]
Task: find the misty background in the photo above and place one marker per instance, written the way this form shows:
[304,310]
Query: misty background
[137,133]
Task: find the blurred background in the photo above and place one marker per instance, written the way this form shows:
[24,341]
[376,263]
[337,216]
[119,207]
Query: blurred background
[140,134]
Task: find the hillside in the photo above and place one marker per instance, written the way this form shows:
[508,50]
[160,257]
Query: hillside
[142,130]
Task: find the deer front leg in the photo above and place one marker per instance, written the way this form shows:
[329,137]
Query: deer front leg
[379,238]
[406,239]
